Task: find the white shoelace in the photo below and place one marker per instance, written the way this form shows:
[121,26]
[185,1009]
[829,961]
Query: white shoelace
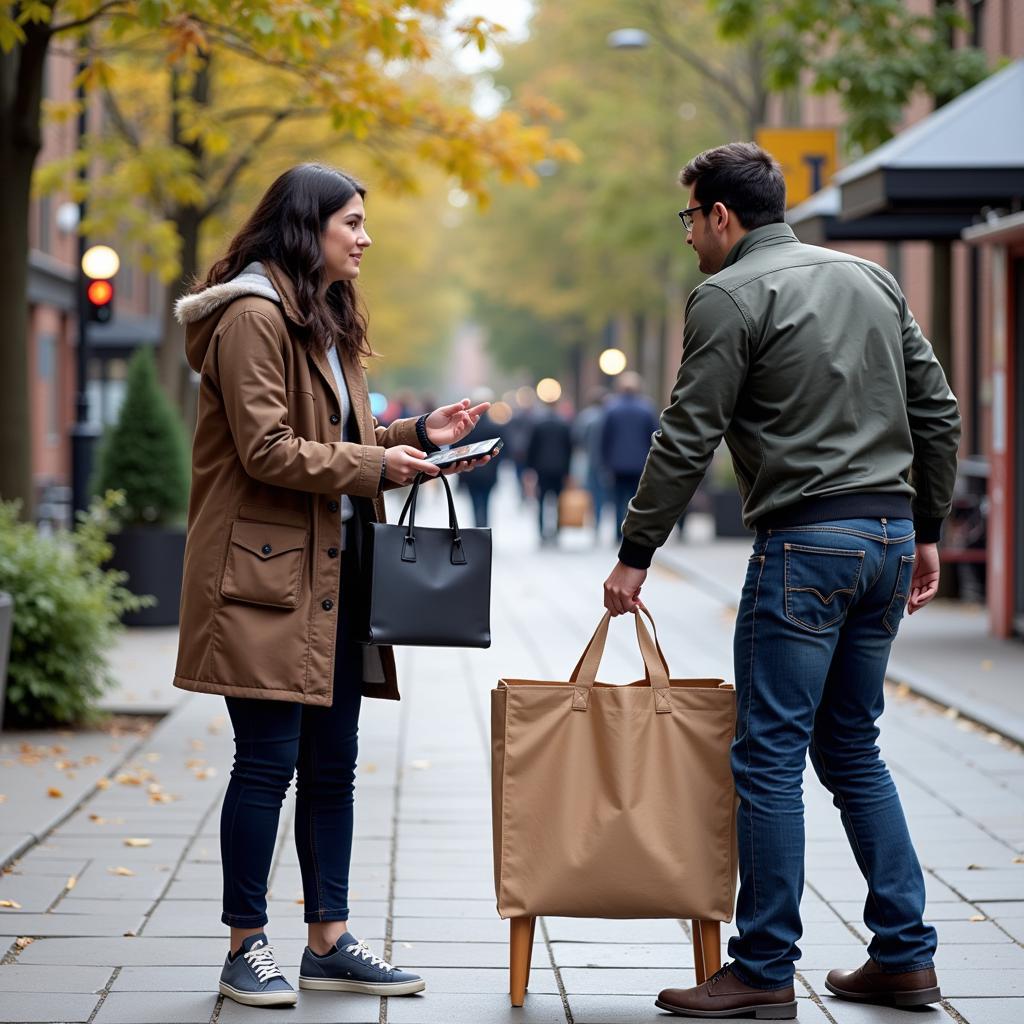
[358,949]
[261,960]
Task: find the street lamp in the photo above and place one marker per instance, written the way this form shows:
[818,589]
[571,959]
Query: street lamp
[549,390]
[612,361]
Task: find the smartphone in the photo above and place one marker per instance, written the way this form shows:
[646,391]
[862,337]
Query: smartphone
[466,452]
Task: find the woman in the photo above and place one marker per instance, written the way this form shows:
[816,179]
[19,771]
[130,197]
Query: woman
[287,465]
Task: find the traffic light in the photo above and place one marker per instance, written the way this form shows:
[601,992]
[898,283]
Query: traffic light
[100,295]
[99,265]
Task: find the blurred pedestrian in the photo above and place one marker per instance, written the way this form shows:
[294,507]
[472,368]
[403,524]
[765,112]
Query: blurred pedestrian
[548,454]
[480,483]
[517,438]
[629,421]
[844,435]
[587,431]
[288,467]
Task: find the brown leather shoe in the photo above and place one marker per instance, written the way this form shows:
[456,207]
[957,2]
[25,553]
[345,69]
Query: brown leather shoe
[724,995]
[870,984]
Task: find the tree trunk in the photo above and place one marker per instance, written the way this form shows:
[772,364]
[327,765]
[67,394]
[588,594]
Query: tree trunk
[174,371]
[21,73]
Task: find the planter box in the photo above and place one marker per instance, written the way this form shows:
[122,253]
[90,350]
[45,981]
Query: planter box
[6,621]
[727,508]
[153,557]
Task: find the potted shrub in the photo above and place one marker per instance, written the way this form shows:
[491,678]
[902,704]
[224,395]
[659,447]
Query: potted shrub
[726,504]
[145,455]
[6,615]
[67,611]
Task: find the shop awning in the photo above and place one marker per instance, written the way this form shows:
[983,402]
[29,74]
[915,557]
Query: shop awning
[967,155]
[817,222]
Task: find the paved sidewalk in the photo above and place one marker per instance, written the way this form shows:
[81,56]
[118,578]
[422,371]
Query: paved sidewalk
[137,937]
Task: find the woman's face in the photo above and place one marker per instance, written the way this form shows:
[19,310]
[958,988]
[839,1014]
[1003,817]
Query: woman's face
[344,241]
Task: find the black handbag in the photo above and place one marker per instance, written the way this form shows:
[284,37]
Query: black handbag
[427,586]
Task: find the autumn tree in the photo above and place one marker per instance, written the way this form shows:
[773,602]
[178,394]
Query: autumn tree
[193,94]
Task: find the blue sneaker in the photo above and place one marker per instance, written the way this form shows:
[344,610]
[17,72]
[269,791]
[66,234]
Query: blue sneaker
[351,967]
[253,977]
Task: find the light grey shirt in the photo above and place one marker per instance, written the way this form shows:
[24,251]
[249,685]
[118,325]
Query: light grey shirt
[347,509]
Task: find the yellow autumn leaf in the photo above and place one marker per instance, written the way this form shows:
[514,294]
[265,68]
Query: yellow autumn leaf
[24,940]
[71,883]
[138,842]
[977,917]
[10,903]
[54,792]
[121,871]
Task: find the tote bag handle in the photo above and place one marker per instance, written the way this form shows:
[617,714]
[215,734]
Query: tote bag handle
[655,666]
[409,544]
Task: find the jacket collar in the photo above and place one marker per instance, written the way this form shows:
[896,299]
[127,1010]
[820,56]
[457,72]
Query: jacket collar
[286,291]
[759,238]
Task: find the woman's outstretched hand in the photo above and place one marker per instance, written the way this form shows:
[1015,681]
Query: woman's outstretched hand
[451,423]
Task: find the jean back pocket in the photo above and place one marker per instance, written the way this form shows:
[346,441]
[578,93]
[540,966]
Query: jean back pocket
[898,604]
[820,584]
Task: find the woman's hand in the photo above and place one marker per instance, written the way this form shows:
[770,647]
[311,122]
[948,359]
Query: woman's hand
[451,423]
[466,467]
[403,462]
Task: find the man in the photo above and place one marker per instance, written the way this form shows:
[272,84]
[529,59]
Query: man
[548,454]
[831,402]
[587,429]
[629,422]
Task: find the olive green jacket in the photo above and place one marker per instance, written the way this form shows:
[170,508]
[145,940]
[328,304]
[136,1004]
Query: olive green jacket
[810,364]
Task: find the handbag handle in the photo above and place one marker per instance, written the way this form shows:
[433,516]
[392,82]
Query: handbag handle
[458,556]
[656,670]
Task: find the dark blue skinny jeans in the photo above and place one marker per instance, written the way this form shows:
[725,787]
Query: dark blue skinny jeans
[820,607]
[273,740]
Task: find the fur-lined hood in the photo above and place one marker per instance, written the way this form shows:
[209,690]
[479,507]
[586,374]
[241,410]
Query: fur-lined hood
[201,312]
[253,280]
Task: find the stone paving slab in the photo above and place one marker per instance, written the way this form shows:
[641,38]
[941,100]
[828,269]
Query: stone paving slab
[625,1009]
[988,1011]
[39,1007]
[27,978]
[312,1008]
[494,1009]
[143,1008]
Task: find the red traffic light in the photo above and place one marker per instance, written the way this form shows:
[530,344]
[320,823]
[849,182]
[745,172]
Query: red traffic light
[100,292]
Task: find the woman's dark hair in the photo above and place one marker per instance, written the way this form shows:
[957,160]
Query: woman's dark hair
[286,229]
[741,176]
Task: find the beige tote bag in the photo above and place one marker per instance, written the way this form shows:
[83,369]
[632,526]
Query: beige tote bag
[614,801]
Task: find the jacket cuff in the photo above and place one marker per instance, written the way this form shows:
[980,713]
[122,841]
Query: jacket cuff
[371,468]
[421,433]
[928,529]
[636,556]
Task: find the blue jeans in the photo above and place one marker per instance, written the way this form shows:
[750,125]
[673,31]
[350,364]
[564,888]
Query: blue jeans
[272,739]
[820,607]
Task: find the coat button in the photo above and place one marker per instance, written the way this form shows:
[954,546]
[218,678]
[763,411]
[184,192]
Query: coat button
[335,418]
[327,604]
[332,552]
[266,549]
[332,506]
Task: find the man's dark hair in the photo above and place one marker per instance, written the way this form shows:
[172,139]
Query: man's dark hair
[741,176]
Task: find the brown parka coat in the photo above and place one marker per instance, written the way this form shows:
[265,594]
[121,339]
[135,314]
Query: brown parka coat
[260,596]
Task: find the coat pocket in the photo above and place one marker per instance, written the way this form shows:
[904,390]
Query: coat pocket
[264,564]
[820,584]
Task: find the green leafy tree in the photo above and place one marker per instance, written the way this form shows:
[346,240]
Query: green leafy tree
[144,454]
[67,612]
[193,94]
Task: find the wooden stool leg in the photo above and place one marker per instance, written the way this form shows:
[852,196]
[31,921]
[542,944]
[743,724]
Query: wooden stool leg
[520,951]
[529,956]
[707,948]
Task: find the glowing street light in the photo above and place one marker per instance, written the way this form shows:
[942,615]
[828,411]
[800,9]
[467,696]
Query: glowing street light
[549,390]
[100,262]
[612,361]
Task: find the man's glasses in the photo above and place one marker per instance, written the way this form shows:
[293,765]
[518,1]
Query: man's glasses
[686,216]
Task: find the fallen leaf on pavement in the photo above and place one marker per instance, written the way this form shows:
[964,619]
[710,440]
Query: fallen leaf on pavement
[986,664]
[421,765]
[300,901]
[71,883]
[24,940]
[973,867]
[120,871]
[153,757]
[103,783]
[10,903]
[1018,860]
[54,792]
[138,842]
[978,917]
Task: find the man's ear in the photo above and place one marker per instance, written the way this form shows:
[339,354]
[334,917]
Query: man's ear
[721,214]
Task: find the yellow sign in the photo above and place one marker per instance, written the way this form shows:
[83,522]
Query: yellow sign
[807,157]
